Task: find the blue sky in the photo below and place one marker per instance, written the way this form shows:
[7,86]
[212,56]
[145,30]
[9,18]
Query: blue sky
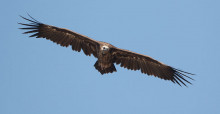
[40,77]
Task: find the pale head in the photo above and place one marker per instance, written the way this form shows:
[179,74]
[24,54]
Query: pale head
[104,49]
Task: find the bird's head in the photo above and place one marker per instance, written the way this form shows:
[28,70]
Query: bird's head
[104,49]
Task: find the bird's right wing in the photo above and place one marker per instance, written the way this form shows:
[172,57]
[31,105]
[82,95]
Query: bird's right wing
[61,36]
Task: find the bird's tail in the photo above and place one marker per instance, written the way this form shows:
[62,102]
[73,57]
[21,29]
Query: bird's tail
[110,69]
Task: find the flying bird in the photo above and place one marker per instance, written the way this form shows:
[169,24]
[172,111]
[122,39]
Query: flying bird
[107,54]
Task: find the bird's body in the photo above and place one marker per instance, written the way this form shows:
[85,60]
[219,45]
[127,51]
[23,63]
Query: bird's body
[107,55]
[105,61]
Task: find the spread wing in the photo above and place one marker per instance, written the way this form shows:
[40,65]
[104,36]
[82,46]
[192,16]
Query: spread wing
[61,36]
[150,66]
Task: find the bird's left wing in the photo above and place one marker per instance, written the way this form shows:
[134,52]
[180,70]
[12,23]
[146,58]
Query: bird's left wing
[148,65]
[61,36]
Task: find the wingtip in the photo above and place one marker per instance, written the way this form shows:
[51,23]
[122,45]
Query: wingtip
[180,77]
[30,20]
[21,16]
[183,71]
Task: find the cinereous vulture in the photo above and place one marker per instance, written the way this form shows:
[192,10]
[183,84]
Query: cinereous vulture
[106,53]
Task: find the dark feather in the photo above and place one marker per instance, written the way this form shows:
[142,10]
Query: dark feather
[27,24]
[29,28]
[63,37]
[30,31]
[36,34]
[149,66]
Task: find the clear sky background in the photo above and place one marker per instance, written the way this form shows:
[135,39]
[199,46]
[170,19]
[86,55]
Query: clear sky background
[40,77]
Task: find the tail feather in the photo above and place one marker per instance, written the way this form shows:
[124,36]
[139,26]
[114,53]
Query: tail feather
[110,69]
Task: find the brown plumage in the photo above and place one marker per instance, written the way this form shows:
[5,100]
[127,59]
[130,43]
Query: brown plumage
[106,53]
